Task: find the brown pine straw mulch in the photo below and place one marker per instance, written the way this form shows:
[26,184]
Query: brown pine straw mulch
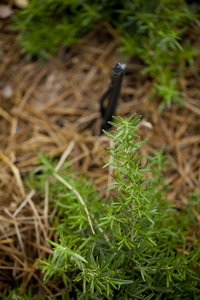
[56,106]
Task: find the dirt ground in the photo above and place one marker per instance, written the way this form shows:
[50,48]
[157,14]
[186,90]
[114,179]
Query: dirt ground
[54,107]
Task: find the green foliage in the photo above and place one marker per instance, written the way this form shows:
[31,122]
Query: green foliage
[19,294]
[155,31]
[138,249]
[45,25]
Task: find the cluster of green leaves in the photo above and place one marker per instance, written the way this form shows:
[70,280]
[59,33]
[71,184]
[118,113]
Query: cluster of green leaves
[19,294]
[45,25]
[138,249]
[155,31]
[160,39]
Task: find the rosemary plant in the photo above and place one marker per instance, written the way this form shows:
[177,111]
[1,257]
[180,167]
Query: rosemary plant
[129,247]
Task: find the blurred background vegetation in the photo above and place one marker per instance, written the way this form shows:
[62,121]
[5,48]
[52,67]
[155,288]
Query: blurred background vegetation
[155,31]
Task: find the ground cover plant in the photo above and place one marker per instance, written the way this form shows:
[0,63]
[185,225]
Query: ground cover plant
[154,31]
[133,246]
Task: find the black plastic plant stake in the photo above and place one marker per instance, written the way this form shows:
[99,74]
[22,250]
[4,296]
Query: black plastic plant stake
[112,95]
